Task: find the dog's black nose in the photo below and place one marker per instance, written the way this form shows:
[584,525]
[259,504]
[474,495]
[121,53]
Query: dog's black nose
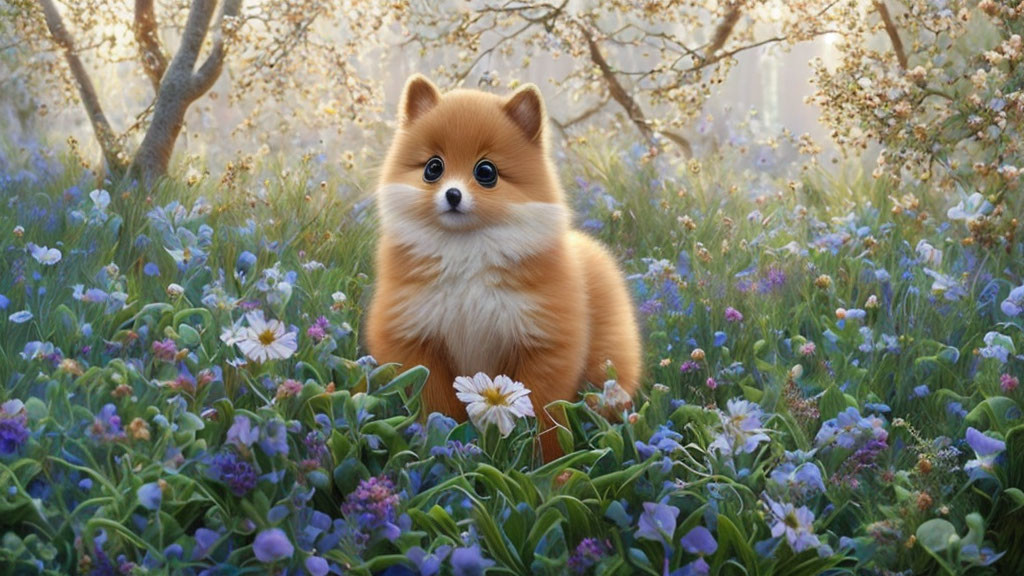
[454,197]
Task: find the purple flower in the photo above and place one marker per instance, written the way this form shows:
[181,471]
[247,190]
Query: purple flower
[106,426]
[205,540]
[657,522]
[150,496]
[986,449]
[242,433]
[797,524]
[1014,303]
[740,430]
[239,475]
[699,541]
[13,429]
[664,440]
[317,566]
[165,350]
[469,561]
[698,567]
[849,430]
[373,506]
[589,552]
[275,438]
[318,330]
[798,481]
[689,366]
[733,315]
[428,564]
[1008,383]
[272,545]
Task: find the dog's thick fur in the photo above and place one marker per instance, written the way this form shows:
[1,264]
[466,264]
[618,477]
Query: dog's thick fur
[503,285]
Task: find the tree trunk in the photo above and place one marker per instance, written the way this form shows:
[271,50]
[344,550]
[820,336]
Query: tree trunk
[180,86]
[113,154]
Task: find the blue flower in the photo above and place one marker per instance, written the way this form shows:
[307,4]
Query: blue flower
[205,541]
[986,448]
[272,545]
[275,438]
[740,430]
[151,269]
[246,260]
[150,496]
[4,302]
[921,391]
[797,524]
[428,564]
[317,566]
[699,541]
[20,317]
[720,338]
[239,475]
[13,429]
[657,522]
[998,346]
[1014,303]
[469,561]
[242,433]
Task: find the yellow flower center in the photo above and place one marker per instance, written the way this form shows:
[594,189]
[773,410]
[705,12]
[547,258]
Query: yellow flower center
[791,520]
[267,337]
[494,397]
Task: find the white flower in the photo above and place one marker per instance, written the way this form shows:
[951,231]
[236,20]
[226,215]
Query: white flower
[267,340]
[500,402]
[101,198]
[175,290]
[972,208]
[928,254]
[44,255]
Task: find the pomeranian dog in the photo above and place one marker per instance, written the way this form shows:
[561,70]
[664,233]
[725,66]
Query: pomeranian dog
[478,267]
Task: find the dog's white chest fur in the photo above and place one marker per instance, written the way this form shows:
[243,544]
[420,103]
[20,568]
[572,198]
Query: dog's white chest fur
[479,317]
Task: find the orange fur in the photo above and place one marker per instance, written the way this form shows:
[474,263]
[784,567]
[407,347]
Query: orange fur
[506,288]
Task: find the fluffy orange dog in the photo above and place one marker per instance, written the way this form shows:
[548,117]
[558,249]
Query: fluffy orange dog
[478,268]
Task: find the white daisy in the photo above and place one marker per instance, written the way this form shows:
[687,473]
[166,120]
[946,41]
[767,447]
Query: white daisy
[266,340]
[501,401]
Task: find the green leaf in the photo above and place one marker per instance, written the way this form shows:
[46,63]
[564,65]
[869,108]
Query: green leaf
[937,535]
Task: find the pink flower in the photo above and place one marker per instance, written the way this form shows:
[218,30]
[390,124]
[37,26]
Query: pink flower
[1008,383]
[733,315]
[808,349]
[712,384]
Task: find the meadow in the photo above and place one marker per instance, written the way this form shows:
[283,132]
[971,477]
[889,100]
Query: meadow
[832,386]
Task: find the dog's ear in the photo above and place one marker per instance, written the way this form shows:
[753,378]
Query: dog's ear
[526,109]
[418,97]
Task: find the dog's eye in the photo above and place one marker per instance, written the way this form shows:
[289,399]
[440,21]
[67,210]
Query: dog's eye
[433,170]
[486,173]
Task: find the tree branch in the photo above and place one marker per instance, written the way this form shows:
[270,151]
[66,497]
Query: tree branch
[147,35]
[207,75]
[893,32]
[724,31]
[105,135]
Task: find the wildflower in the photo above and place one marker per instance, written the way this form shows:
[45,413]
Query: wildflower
[470,561]
[1008,383]
[175,290]
[338,299]
[246,260]
[796,372]
[921,391]
[19,231]
[699,541]
[20,317]
[150,496]
[242,433]
[138,429]
[266,340]
[872,302]
[317,566]
[272,545]
[275,438]
[807,349]
[237,474]
[697,355]
[974,207]
[741,430]
[689,366]
[13,429]
[795,523]
[500,402]
[288,388]
[43,255]
[165,350]
[733,315]
[588,554]
[986,448]
[151,269]
[711,383]
[373,506]
[657,522]
[928,254]
[318,330]
[106,426]
[823,282]
[998,346]
[663,440]
[848,430]
[797,481]
[1014,303]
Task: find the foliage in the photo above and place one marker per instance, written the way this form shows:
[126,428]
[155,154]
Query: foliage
[943,98]
[815,367]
